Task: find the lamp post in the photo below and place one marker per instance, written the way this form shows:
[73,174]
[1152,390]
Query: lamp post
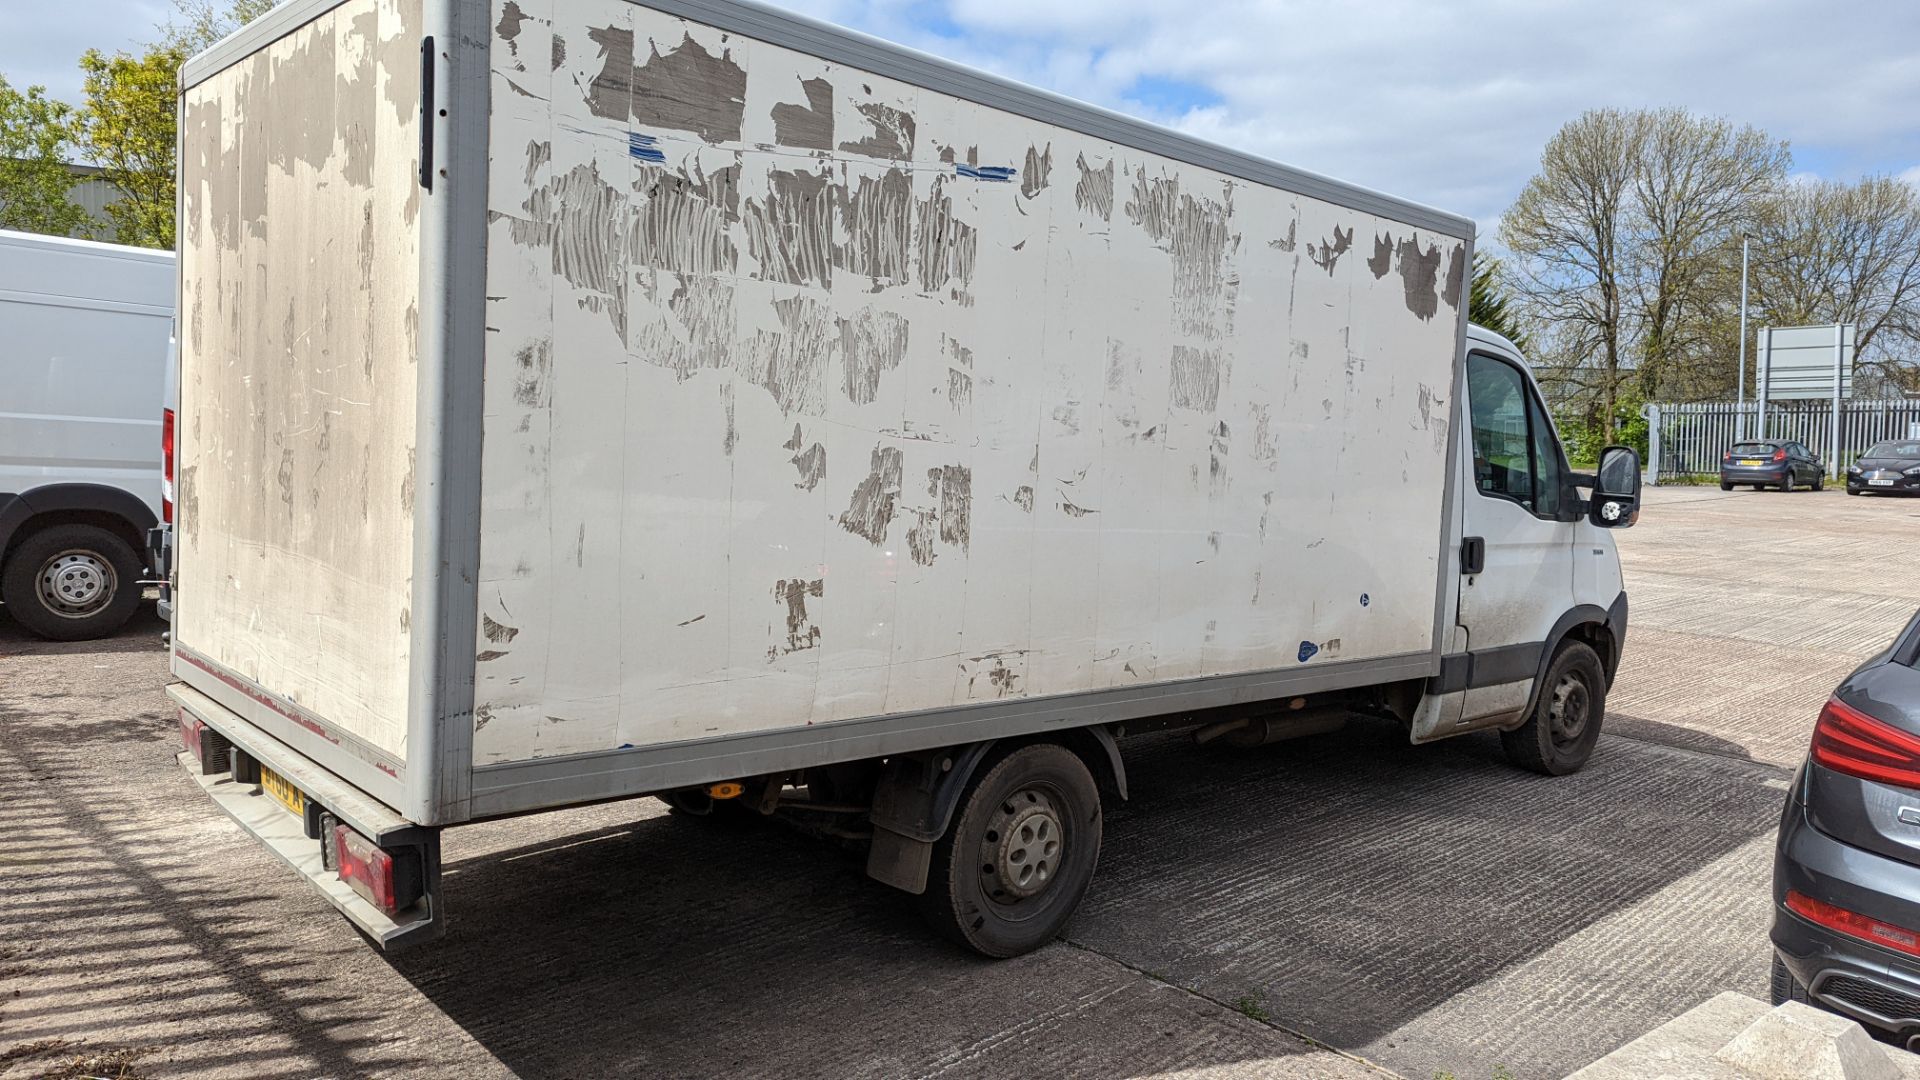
[1740,375]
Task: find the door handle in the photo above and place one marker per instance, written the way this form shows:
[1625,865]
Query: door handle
[1473,554]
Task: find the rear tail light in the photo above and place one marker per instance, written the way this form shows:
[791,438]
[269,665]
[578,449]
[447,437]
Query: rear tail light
[1853,924]
[208,747]
[388,880]
[1849,741]
[166,472]
[1726,455]
[1779,455]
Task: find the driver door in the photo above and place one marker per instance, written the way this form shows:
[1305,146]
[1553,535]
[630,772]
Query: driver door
[1519,526]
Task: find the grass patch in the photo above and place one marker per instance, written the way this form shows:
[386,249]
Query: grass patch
[1253,1006]
[119,1063]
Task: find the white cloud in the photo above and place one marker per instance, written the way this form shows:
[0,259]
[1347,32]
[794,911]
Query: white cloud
[1912,176]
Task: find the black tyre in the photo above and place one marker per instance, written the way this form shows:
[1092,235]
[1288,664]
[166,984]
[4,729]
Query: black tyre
[1785,987]
[1820,482]
[1786,482]
[1569,704]
[1019,855]
[1724,486]
[71,582]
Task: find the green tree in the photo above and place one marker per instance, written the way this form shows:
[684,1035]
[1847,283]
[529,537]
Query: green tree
[1489,303]
[38,137]
[130,115]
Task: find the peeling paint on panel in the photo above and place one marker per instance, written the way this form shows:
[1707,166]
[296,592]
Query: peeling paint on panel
[953,484]
[1068,508]
[1194,231]
[947,245]
[698,335]
[1329,251]
[920,537]
[406,483]
[1094,190]
[1419,272]
[879,225]
[1382,260]
[531,363]
[892,136]
[1456,276]
[794,443]
[791,235]
[488,656]
[1023,497]
[1033,179]
[1217,459]
[959,389]
[872,343]
[1286,244]
[581,217]
[682,225]
[1194,380]
[870,509]
[284,478]
[610,93]
[812,463]
[792,364]
[809,125]
[538,154]
[508,28]
[559,51]
[497,632]
[688,88]
[958,351]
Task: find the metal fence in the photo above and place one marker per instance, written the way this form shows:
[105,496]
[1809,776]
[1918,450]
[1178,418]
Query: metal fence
[1688,439]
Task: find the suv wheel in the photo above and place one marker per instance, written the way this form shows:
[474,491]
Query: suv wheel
[71,582]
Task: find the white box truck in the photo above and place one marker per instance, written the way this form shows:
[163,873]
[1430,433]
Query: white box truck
[84,327]
[583,399]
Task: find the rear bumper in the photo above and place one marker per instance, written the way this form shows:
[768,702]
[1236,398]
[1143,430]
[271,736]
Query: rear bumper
[1737,475]
[297,841]
[1876,986]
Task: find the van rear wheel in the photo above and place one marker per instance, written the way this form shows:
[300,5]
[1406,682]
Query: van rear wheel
[71,582]
[1568,706]
[1021,851]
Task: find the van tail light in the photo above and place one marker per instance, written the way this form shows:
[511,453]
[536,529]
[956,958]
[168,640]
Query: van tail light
[1853,924]
[388,880]
[208,747]
[1779,455]
[1849,741]
[166,473]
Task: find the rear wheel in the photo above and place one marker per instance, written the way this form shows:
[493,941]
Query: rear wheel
[1568,706]
[72,582]
[1786,481]
[1819,482]
[1785,987]
[1019,855]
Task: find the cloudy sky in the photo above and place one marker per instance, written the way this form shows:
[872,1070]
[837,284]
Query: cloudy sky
[1444,102]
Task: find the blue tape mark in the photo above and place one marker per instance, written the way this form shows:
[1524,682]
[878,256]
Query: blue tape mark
[997,173]
[1307,649]
[646,148]
[1364,601]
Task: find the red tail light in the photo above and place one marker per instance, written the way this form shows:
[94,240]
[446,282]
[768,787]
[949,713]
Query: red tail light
[387,881]
[166,474]
[1854,924]
[1849,741]
[1779,455]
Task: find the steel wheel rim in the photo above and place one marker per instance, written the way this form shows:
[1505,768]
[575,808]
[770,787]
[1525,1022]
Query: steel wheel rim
[76,583]
[1568,709]
[1022,848]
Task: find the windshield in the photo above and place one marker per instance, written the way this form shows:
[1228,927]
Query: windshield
[1895,450]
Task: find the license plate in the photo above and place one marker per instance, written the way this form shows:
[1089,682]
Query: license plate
[1750,461]
[1881,483]
[283,792]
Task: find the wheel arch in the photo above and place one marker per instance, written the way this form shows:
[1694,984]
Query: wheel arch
[1602,629]
[117,510]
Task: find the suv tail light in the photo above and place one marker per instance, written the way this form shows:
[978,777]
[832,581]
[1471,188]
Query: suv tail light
[1854,924]
[1849,741]
[166,473]
[389,881]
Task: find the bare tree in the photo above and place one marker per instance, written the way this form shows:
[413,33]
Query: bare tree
[1834,252]
[1567,231]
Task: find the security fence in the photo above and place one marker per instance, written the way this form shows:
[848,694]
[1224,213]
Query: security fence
[1688,439]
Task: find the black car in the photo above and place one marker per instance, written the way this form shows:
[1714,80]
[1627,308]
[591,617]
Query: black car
[1846,873]
[1889,467]
[1768,463]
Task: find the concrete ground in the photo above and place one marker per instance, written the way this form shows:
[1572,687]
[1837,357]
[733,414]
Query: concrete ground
[1427,909]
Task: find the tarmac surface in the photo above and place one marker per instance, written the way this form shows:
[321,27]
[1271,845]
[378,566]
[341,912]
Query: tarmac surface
[1341,906]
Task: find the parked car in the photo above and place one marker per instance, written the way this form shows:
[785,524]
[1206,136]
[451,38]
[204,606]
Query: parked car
[1889,467]
[1768,463]
[1846,873]
[85,327]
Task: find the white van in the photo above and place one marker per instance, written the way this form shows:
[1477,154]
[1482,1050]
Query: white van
[86,327]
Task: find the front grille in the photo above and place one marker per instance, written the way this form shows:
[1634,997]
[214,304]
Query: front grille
[1871,997]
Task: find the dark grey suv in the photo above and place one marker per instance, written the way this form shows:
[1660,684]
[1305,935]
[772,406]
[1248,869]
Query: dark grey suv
[1846,874]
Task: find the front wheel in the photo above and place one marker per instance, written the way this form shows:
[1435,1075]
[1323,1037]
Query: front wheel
[1568,706]
[1019,855]
[1724,486]
[72,582]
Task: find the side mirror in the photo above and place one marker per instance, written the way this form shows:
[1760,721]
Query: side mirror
[1616,489]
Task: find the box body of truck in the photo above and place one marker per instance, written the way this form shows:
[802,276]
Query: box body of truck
[583,399]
